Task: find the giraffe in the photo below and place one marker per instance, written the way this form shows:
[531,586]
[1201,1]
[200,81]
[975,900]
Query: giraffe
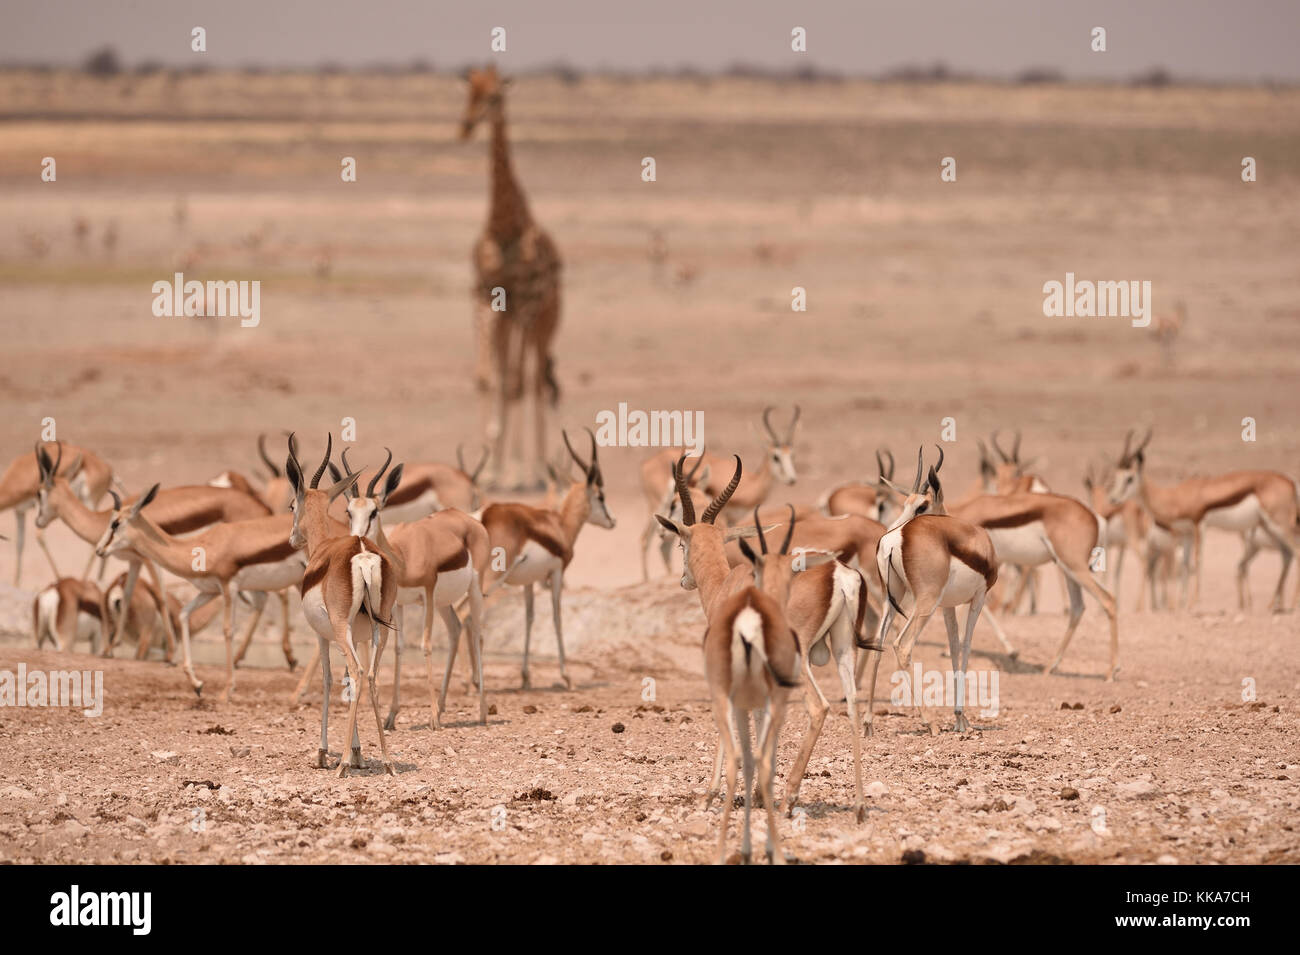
[517,301]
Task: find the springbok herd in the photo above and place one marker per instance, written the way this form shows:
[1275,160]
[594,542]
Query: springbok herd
[782,588]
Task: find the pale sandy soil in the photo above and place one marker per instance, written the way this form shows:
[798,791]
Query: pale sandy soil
[924,302]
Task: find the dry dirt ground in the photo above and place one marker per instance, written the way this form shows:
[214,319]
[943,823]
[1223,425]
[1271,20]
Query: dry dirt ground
[924,302]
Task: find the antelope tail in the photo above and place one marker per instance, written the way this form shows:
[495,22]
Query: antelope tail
[747,645]
[368,580]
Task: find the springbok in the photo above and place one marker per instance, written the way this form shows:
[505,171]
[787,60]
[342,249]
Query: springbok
[873,499]
[933,561]
[178,510]
[346,576]
[87,473]
[751,660]
[545,539]
[778,465]
[438,561]
[1241,501]
[66,611]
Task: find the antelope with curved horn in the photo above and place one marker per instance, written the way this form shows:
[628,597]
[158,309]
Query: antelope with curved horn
[873,499]
[1127,525]
[545,539]
[438,560]
[1242,501]
[87,473]
[933,561]
[778,465]
[178,510]
[663,501]
[751,659]
[1029,529]
[346,577]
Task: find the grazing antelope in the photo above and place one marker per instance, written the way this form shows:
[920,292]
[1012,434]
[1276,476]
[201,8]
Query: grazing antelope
[438,560]
[66,611]
[751,660]
[346,577]
[1241,501]
[778,465]
[86,472]
[178,510]
[933,561]
[276,494]
[146,614]
[1126,526]
[873,499]
[545,540]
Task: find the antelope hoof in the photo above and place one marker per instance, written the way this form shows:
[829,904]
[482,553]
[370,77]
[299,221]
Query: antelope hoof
[391,722]
[868,729]
[861,814]
[933,728]
[356,762]
[746,858]
[526,683]
[323,759]
[343,769]
[389,768]
[198,687]
[962,724]
[291,661]
[1013,655]
[708,800]
[568,681]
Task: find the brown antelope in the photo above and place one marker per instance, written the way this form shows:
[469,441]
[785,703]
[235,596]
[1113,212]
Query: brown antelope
[86,472]
[873,499]
[1029,529]
[66,611]
[663,501]
[276,494]
[751,660]
[243,555]
[537,544]
[346,577]
[178,510]
[438,561]
[1126,526]
[146,613]
[431,486]
[933,561]
[1241,501]
[778,465]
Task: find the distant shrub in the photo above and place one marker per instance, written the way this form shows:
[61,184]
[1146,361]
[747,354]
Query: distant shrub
[103,62]
[1156,77]
[1040,74]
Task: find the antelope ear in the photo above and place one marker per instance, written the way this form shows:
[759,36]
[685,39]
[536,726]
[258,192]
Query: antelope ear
[748,551]
[390,483]
[670,525]
[144,501]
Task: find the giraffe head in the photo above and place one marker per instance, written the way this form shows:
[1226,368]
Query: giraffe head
[486,98]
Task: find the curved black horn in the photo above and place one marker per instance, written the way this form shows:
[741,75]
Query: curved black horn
[1128,440]
[939,448]
[482,463]
[683,492]
[1015,448]
[59,460]
[117,501]
[789,532]
[890,455]
[266,458]
[370,488]
[789,435]
[347,469]
[758,526]
[698,461]
[718,503]
[767,423]
[574,454]
[998,448]
[329,450]
[916,484]
[595,458]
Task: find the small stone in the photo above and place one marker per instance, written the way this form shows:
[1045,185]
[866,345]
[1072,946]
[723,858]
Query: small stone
[1116,708]
[166,756]
[530,709]
[618,727]
[239,752]
[666,855]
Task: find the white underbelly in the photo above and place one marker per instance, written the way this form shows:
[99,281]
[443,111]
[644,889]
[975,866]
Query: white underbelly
[538,565]
[412,510]
[313,608]
[963,583]
[452,585]
[1025,545]
[1241,516]
[275,575]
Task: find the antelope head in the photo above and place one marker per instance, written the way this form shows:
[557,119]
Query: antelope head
[310,497]
[780,448]
[1126,480]
[114,539]
[597,511]
[926,495]
[48,471]
[363,511]
[688,527]
[486,99]
[885,499]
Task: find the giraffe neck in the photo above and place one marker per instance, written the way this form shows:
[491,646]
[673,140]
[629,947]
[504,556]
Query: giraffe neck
[509,213]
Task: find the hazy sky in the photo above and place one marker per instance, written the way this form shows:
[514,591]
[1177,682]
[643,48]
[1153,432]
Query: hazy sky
[1209,39]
